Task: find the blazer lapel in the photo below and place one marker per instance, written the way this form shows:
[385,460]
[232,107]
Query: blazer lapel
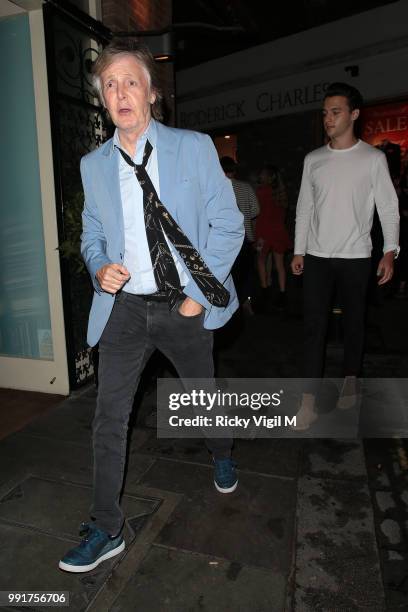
[167,169]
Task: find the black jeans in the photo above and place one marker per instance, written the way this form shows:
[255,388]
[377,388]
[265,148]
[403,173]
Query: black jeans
[134,330]
[321,276]
[244,272]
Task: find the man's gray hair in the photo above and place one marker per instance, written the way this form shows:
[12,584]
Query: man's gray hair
[132,47]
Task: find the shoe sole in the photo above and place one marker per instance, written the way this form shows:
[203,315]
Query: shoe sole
[226,490]
[87,568]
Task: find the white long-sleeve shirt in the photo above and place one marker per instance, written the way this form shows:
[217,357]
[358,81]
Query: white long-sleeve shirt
[339,190]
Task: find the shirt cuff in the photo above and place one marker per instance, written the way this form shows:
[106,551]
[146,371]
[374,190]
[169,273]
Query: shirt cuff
[393,247]
[299,249]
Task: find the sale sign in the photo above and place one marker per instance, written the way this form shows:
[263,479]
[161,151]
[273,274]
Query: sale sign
[386,126]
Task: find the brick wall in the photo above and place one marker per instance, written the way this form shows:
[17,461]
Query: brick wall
[139,15]
[136,14]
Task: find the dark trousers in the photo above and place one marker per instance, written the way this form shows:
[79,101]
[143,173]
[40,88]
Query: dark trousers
[320,278]
[244,273]
[134,330]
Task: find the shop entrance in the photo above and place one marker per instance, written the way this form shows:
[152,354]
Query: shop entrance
[226,145]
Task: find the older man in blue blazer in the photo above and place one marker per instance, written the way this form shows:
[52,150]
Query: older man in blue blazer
[161,230]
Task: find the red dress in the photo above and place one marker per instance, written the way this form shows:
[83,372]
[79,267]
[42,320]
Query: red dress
[270,228]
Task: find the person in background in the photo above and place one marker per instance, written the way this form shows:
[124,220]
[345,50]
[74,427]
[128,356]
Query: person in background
[342,182]
[243,269]
[270,230]
[401,186]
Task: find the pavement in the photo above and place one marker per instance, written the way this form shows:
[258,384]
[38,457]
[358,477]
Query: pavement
[315,525]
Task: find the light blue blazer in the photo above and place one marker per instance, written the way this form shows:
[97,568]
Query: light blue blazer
[196,192]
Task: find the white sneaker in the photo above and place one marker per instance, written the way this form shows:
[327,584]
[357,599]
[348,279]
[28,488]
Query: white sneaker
[306,414]
[349,394]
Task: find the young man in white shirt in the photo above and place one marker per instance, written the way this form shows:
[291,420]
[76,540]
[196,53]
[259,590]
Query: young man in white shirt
[342,183]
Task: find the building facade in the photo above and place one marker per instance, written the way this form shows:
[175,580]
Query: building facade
[50,118]
[263,105]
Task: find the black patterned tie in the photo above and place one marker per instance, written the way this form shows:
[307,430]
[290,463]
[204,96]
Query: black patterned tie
[159,223]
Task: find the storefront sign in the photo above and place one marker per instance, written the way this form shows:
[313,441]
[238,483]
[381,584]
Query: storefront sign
[379,76]
[291,98]
[259,102]
[386,123]
[386,127]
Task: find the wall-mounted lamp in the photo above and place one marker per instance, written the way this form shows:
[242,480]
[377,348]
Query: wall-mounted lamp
[160,45]
[159,42]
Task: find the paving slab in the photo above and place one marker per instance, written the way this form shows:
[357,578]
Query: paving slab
[395,572]
[70,421]
[29,562]
[45,456]
[137,466]
[249,535]
[19,407]
[179,581]
[277,457]
[137,437]
[39,522]
[10,464]
[23,454]
[388,486]
[337,564]
[337,459]
[265,456]
[135,554]
[58,508]
[186,449]
[253,526]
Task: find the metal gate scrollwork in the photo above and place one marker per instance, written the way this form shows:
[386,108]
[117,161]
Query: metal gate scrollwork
[78,125]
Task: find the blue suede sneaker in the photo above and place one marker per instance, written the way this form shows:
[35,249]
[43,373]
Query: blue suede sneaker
[96,546]
[225,476]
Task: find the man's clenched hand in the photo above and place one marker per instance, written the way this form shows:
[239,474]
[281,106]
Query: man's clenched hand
[385,268]
[297,264]
[112,277]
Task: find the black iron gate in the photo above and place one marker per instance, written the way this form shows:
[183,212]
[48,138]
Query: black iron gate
[73,41]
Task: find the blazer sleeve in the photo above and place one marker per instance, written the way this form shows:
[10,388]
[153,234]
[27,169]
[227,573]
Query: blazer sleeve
[226,227]
[93,240]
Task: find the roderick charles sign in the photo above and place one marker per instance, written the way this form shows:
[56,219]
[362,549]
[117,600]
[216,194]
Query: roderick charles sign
[298,92]
[253,104]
